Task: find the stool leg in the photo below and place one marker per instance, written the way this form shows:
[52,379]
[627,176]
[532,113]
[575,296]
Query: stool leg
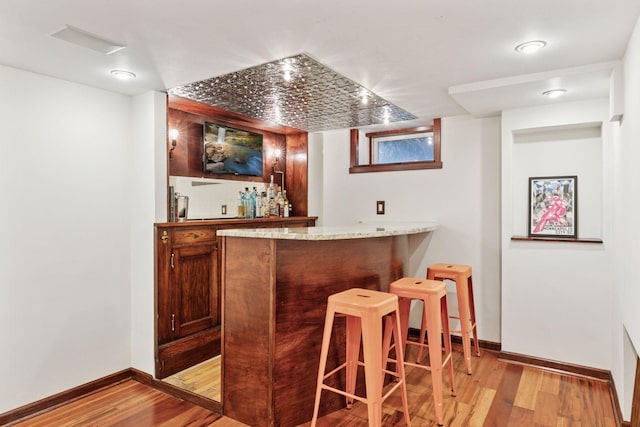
[404,307]
[326,339]
[446,337]
[354,329]
[472,310]
[389,329]
[372,345]
[434,326]
[400,364]
[423,331]
[462,289]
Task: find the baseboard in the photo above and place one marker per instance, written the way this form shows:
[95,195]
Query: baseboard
[457,339]
[146,379]
[585,371]
[617,409]
[63,397]
[67,396]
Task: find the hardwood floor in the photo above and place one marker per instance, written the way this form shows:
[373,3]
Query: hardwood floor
[202,379]
[129,403]
[499,393]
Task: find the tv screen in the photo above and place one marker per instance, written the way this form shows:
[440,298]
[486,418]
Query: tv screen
[231,151]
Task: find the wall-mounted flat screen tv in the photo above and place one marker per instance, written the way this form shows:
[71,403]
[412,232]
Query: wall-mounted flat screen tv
[231,151]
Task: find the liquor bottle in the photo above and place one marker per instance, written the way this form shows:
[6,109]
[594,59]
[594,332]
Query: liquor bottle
[248,207]
[271,191]
[258,198]
[265,205]
[285,212]
[241,212]
[279,205]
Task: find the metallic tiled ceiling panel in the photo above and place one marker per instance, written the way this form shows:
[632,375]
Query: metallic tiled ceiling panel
[298,92]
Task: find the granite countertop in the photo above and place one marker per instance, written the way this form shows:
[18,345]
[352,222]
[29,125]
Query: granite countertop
[357,231]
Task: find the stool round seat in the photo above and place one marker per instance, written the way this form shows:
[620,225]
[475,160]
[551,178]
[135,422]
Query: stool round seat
[365,311]
[461,275]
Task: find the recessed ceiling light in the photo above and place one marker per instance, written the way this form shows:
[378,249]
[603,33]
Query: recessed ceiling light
[122,74]
[554,93]
[531,46]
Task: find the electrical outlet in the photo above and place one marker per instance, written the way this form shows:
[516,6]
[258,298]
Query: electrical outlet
[224,209]
[380,207]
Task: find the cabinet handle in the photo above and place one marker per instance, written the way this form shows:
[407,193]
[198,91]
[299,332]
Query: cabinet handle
[173,323]
[172,266]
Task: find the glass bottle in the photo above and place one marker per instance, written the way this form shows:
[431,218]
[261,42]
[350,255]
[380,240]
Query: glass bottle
[241,211]
[246,202]
[258,198]
[285,210]
[271,191]
[265,205]
[279,205]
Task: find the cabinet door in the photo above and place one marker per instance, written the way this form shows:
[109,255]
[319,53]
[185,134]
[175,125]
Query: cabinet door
[194,289]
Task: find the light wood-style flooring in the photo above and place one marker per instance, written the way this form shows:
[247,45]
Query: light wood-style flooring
[499,393]
[203,379]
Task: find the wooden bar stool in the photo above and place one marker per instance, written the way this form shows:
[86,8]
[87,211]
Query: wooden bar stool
[461,274]
[434,295]
[364,310]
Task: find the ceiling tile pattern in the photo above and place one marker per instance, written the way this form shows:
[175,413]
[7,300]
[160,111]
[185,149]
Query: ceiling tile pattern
[315,98]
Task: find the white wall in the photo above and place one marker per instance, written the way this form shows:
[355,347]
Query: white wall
[555,297]
[462,197]
[147,197]
[65,168]
[626,189]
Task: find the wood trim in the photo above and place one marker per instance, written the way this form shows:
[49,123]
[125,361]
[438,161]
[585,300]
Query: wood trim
[457,339]
[353,146]
[395,167]
[586,371]
[64,397]
[617,409]
[355,167]
[557,239]
[75,393]
[635,404]
[230,118]
[406,131]
[146,379]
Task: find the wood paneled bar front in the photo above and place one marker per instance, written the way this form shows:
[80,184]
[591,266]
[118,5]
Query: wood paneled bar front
[275,285]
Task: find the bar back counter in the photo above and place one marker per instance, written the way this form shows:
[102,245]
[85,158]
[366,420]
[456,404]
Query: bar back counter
[275,285]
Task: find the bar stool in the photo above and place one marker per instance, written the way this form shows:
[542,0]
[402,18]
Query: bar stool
[461,274]
[364,310]
[434,295]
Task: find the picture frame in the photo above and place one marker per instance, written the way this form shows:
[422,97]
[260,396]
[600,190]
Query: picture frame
[231,151]
[553,207]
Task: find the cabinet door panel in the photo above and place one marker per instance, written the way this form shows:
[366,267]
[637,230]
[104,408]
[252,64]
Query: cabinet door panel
[194,289]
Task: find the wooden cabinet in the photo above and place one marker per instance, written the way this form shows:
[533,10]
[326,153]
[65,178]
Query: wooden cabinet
[188,315]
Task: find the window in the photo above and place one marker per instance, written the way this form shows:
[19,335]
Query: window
[401,149]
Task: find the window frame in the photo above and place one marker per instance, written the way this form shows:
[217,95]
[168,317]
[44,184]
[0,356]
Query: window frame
[436,163]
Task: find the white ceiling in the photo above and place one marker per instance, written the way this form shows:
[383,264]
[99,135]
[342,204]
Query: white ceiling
[433,58]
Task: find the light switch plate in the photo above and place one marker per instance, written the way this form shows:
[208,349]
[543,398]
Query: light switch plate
[224,209]
[380,207]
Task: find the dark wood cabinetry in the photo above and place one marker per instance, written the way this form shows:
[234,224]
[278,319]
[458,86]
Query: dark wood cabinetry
[188,315]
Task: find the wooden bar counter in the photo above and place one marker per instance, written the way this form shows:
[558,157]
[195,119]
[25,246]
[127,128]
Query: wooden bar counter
[275,285]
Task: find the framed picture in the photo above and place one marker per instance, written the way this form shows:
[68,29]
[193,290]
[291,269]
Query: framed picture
[231,151]
[553,206]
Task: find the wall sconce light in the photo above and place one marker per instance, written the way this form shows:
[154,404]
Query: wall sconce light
[173,134]
[274,167]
